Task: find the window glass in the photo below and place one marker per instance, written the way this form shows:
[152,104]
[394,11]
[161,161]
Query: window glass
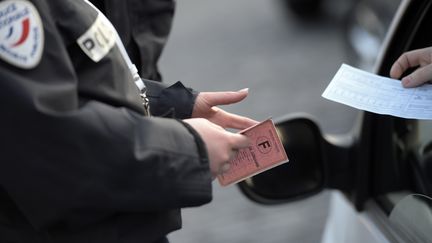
[410,166]
[412,216]
[425,134]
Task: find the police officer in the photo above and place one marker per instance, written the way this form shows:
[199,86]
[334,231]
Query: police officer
[81,160]
[143,26]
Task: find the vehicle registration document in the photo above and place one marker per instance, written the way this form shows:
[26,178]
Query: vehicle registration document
[265,152]
[377,94]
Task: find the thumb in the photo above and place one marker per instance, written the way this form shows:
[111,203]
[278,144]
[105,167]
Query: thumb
[418,77]
[240,141]
[224,98]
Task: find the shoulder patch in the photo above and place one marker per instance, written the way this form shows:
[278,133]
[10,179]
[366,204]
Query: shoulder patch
[21,34]
[98,40]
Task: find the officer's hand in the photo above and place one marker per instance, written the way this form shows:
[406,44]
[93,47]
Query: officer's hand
[221,145]
[419,57]
[205,107]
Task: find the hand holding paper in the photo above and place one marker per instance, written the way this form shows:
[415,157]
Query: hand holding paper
[382,95]
[420,58]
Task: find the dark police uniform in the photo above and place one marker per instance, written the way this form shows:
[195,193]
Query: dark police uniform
[80,161]
[144,26]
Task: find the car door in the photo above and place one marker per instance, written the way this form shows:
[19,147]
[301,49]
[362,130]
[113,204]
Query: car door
[381,170]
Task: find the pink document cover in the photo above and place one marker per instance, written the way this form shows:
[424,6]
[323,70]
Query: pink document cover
[266,151]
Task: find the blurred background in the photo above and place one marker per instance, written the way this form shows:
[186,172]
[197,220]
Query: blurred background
[286,52]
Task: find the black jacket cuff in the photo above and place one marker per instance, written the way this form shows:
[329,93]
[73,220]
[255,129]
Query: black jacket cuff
[175,101]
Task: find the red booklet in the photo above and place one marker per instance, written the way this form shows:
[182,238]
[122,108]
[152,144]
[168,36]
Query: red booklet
[266,151]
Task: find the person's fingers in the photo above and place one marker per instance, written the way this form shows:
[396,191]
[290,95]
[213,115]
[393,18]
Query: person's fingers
[410,59]
[404,62]
[230,120]
[396,70]
[224,98]
[225,167]
[418,77]
[239,141]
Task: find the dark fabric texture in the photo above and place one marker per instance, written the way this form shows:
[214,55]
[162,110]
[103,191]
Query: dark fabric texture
[144,27]
[80,162]
[171,101]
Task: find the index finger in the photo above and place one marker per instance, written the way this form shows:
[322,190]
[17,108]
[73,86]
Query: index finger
[230,120]
[224,97]
[409,59]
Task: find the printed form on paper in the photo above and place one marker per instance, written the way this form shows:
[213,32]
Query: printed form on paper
[377,94]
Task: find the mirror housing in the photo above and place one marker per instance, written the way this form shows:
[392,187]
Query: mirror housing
[315,162]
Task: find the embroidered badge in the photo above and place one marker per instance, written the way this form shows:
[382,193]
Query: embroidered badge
[21,34]
[98,40]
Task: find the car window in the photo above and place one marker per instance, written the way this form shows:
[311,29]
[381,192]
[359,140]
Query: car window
[424,134]
[413,216]
[413,138]
[407,198]
[402,164]
[422,157]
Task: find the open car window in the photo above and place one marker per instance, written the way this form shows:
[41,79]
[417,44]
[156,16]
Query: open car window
[402,165]
[412,216]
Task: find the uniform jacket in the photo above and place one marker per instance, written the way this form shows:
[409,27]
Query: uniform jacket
[79,161]
[144,26]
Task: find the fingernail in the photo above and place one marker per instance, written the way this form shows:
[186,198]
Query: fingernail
[406,81]
[244,90]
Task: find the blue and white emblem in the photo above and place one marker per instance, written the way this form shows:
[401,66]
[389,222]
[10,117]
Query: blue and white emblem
[21,34]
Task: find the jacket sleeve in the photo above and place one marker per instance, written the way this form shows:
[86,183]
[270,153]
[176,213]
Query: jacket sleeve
[144,26]
[175,101]
[151,22]
[71,161]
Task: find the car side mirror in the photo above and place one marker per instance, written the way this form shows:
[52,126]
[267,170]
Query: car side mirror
[302,176]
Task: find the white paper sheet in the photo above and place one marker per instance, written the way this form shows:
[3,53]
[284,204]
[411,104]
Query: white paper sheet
[377,94]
